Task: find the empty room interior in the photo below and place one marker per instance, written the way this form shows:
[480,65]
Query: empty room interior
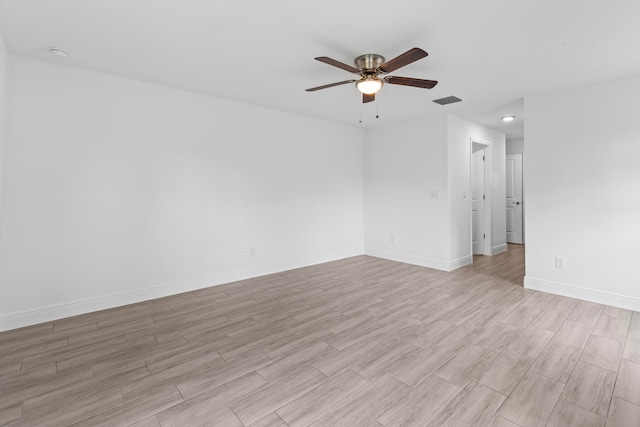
[421,213]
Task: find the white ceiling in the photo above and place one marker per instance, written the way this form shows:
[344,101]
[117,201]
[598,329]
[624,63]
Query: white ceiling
[490,53]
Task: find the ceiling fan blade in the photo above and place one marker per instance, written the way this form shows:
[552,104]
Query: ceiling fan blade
[338,64]
[408,81]
[406,58]
[313,89]
[368,98]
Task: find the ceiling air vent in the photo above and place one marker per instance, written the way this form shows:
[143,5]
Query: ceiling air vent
[447,100]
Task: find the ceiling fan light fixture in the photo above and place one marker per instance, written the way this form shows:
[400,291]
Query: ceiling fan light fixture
[369,85]
[371,66]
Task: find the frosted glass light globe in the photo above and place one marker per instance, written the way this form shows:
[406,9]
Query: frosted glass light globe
[369,85]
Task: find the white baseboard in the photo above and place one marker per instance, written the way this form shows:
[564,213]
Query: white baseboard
[418,260]
[499,248]
[607,298]
[460,262]
[47,314]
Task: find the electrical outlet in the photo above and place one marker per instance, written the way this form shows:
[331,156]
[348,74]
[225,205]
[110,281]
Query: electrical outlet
[252,251]
[245,251]
[561,262]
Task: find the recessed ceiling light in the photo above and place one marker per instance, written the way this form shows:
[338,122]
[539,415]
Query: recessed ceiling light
[56,51]
[508,118]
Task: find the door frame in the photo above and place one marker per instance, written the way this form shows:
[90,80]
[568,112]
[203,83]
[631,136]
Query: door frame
[475,145]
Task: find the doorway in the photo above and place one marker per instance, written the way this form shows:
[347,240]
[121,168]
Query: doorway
[480,203]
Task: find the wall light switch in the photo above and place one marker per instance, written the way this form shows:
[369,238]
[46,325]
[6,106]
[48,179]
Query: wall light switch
[561,262]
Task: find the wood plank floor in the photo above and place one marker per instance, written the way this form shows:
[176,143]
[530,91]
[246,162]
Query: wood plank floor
[356,342]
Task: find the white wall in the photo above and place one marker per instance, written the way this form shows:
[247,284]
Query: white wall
[582,181]
[515,146]
[416,173]
[118,191]
[3,111]
[404,163]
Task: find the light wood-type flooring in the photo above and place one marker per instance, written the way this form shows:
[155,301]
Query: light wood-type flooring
[356,342]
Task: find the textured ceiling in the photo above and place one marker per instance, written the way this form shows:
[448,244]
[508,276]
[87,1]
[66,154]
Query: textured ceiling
[490,53]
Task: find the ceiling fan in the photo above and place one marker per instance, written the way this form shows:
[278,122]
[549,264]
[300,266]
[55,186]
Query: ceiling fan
[371,66]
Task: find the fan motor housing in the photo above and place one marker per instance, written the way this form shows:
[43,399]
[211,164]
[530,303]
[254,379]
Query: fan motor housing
[369,61]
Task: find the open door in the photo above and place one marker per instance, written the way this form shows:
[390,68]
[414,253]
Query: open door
[480,198]
[514,201]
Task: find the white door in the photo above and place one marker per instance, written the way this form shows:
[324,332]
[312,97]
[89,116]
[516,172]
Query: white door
[514,199]
[477,201]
